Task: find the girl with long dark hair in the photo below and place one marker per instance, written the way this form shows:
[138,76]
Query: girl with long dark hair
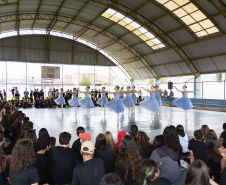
[198,174]
[21,170]
[145,147]
[128,162]
[104,151]
[214,158]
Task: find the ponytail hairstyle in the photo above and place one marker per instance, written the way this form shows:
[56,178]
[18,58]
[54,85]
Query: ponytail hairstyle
[103,87]
[88,87]
[134,86]
[148,170]
[128,87]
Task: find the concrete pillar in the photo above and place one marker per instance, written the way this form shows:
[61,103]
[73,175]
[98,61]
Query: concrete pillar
[198,85]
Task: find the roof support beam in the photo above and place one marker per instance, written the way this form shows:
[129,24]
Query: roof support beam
[86,25]
[18,28]
[37,12]
[154,28]
[219,5]
[76,15]
[54,20]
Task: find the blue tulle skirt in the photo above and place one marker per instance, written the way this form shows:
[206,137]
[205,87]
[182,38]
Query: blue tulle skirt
[183,103]
[60,101]
[86,103]
[134,98]
[73,102]
[159,100]
[102,101]
[121,96]
[150,104]
[115,106]
[128,102]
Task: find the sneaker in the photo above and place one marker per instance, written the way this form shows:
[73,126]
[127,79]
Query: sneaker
[184,164]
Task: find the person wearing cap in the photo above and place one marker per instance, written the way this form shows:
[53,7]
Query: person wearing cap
[63,160]
[83,136]
[91,171]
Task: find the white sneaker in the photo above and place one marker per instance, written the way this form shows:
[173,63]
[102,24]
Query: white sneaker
[184,164]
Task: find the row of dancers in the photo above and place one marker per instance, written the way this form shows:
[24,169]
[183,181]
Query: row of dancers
[129,101]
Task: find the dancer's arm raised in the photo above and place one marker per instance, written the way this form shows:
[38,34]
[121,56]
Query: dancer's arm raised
[177,89]
[146,89]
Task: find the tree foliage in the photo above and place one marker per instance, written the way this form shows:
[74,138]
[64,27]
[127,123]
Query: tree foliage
[85,82]
[219,77]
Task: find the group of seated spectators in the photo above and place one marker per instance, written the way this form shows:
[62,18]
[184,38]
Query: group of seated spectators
[30,158]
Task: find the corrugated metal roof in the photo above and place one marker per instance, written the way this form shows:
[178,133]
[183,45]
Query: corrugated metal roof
[205,54]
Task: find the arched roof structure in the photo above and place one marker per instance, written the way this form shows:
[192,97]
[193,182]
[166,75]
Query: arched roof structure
[147,38]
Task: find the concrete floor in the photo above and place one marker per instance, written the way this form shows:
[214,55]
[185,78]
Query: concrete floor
[57,121]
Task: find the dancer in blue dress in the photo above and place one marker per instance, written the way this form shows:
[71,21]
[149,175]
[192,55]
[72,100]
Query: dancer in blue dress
[184,102]
[74,101]
[133,96]
[150,104]
[158,95]
[86,102]
[127,101]
[116,104]
[103,100]
[121,95]
[60,101]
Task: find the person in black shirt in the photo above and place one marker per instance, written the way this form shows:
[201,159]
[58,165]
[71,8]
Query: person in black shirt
[222,137]
[149,174]
[213,159]
[1,97]
[110,179]
[77,144]
[104,151]
[38,94]
[91,171]
[17,96]
[35,94]
[41,94]
[52,142]
[21,170]
[63,160]
[42,162]
[197,147]
[12,90]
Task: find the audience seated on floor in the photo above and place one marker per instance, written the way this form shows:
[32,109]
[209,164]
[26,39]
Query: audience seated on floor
[32,157]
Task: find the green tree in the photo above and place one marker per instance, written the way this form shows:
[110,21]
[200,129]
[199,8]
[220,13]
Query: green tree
[85,82]
[219,77]
[151,81]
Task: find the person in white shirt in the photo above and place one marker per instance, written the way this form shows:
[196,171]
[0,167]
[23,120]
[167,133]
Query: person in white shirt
[183,138]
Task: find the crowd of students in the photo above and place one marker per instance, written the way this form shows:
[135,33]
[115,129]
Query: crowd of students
[27,157]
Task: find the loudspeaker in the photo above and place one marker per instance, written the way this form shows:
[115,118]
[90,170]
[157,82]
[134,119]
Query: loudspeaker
[170,85]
